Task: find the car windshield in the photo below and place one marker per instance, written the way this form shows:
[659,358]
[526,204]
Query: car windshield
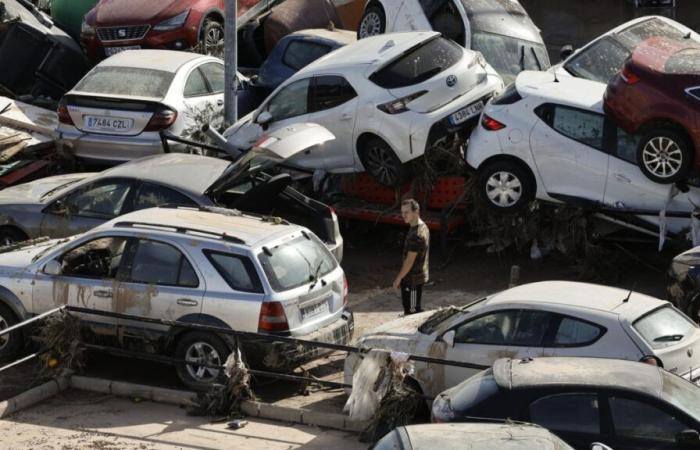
[682,393]
[53,191]
[510,56]
[297,262]
[442,315]
[489,14]
[126,81]
[49,245]
[664,327]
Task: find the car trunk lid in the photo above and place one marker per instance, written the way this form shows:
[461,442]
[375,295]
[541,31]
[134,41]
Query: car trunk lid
[111,116]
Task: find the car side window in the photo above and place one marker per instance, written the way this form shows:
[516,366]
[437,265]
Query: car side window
[582,126]
[196,85]
[627,146]
[330,91]
[150,196]
[291,101]
[599,62]
[300,54]
[511,327]
[572,332]
[102,200]
[636,419]
[694,92]
[574,412]
[160,263]
[238,271]
[214,74]
[99,258]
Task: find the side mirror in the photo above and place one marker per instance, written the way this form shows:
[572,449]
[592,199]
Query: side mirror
[566,51]
[52,267]
[59,208]
[688,438]
[449,338]
[263,118]
[599,446]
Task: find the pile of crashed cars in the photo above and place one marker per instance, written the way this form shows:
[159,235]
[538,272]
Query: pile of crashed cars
[191,225]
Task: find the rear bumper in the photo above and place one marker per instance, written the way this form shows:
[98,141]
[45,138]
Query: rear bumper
[284,356]
[111,149]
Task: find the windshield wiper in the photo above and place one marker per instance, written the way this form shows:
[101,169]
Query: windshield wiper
[49,247]
[669,338]
[314,277]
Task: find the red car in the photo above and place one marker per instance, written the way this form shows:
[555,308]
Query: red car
[656,96]
[116,25]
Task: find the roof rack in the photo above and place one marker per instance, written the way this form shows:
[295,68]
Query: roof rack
[180,229]
[230,212]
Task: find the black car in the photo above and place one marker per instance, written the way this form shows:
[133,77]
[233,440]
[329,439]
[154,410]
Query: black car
[683,287]
[627,405]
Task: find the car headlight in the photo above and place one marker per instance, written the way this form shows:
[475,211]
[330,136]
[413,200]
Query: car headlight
[87,30]
[173,23]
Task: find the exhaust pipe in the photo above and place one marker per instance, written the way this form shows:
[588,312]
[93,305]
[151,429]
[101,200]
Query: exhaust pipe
[220,141]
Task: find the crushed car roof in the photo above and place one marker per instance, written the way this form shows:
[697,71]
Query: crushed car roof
[164,60]
[583,372]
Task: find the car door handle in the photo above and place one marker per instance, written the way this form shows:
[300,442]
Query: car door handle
[346,117]
[103,294]
[187,302]
[621,178]
[219,103]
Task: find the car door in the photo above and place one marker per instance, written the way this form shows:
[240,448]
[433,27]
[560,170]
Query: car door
[159,282]
[574,416]
[203,96]
[568,146]
[86,207]
[88,278]
[505,333]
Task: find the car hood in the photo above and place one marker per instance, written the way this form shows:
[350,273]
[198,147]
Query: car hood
[22,257]
[128,12]
[400,335]
[33,192]
[271,149]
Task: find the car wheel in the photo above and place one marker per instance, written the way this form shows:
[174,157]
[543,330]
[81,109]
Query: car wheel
[664,155]
[505,186]
[9,236]
[211,40]
[10,344]
[198,347]
[373,22]
[382,163]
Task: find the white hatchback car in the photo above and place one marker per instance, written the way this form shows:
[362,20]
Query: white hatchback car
[116,112]
[551,318]
[549,138]
[385,98]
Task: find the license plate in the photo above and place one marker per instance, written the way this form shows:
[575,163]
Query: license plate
[467,113]
[109,51]
[102,123]
[314,310]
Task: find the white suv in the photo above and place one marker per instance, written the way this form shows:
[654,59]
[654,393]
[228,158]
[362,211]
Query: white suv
[385,98]
[229,270]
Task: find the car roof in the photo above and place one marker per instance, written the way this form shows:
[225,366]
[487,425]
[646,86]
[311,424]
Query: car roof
[164,60]
[189,173]
[373,50]
[656,52]
[249,229]
[342,37]
[588,296]
[514,374]
[571,91]
[481,436]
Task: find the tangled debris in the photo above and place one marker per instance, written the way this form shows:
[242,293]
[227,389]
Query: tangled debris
[60,334]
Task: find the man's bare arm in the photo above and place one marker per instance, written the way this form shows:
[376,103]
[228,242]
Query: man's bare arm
[405,268]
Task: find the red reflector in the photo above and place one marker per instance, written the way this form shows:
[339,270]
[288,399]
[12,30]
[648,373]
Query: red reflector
[491,124]
[63,114]
[629,76]
[272,317]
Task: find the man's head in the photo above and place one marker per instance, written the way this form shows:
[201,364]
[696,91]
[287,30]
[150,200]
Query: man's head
[410,211]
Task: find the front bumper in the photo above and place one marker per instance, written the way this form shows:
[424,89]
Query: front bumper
[180,39]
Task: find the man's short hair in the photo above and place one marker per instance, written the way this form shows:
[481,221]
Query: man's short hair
[411,203]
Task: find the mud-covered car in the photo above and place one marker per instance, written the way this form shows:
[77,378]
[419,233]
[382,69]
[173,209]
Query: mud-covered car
[230,270]
[683,288]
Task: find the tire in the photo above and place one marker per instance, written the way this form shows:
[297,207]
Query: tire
[373,22]
[505,186]
[10,235]
[208,346]
[10,345]
[665,155]
[382,163]
[211,39]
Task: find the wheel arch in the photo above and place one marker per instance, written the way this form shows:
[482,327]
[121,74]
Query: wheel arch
[210,14]
[513,159]
[178,332]
[9,299]
[366,136]
[666,122]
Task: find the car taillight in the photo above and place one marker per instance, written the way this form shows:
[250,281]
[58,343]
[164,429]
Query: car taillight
[63,114]
[491,124]
[161,119]
[272,317]
[400,105]
[345,290]
[652,361]
[628,76]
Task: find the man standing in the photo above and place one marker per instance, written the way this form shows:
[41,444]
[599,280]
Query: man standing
[414,270]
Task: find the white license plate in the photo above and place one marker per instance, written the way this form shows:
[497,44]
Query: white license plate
[109,51]
[467,113]
[314,310]
[102,123]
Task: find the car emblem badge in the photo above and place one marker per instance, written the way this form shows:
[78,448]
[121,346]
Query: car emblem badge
[451,80]
[122,33]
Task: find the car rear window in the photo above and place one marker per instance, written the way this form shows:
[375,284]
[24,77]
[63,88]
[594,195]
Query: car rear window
[632,36]
[296,262]
[663,327]
[421,63]
[126,81]
[685,62]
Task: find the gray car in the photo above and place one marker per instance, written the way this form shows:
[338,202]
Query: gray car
[65,205]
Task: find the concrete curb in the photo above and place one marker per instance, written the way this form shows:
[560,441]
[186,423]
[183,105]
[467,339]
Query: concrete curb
[302,416]
[124,389]
[33,396]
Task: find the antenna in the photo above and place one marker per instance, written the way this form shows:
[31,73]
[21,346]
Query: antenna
[689,35]
[628,297]
[556,80]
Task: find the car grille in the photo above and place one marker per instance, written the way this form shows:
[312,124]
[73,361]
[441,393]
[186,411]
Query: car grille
[126,33]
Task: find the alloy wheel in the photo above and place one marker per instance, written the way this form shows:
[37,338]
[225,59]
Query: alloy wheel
[662,157]
[214,42]
[371,25]
[5,339]
[504,189]
[382,165]
[203,353]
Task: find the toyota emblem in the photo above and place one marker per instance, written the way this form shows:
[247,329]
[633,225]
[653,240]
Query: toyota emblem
[121,33]
[451,80]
